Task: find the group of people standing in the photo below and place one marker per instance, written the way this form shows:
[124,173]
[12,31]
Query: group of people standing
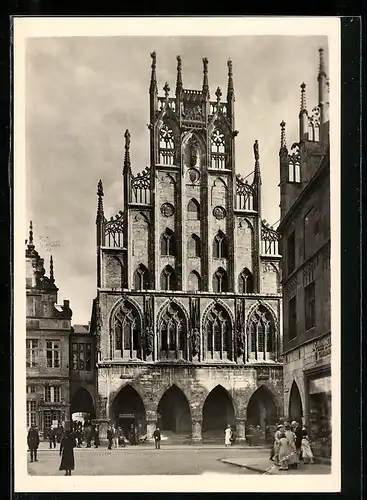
[291,445]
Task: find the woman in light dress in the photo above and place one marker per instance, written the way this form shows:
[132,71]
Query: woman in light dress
[291,438]
[275,452]
[306,447]
[227,436]
[282,449]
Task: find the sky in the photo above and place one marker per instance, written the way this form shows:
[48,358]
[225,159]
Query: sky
[83,92]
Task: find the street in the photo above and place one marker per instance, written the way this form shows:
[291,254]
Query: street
[169,460]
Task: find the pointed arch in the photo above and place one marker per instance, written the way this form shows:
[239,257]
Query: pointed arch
[126,326]
[220,246]
[262,408]
[168,278]
[220,280]
[167,140]
[194,282]
[261,334]
[141,278]
[193,209]
[218,333]
[194,246]
[82,402]
[168,243]
[295,410]
[245,281]
[193,150]
[218,148]
[127,410]
[219,193]
[173,328]
[218,412]
[173,411]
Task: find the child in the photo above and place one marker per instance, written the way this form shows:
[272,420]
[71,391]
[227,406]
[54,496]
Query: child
[306,447]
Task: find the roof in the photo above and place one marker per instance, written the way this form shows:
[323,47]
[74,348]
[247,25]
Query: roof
[81,329]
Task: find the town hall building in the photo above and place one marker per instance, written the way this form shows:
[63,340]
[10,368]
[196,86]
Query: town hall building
[187,316]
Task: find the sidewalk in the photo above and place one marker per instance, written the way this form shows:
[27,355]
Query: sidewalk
[265,466]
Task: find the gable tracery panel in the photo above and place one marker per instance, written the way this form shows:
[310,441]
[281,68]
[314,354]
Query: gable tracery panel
[261,335]
[166,151]
[173,333]
[218,334]
[126,326]
[244,194]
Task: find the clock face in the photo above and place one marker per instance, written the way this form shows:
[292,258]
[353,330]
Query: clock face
[167,210]
[219,213]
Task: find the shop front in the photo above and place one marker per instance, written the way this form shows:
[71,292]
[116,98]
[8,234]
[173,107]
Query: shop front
[318,400]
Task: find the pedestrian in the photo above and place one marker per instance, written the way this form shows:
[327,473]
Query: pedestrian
[297,429]
[33,441]
[291,438]
[110,437]
[306,447]
[121,437]
[96,437]
[88,435]
[157,438]
[67,453]
[283,450]
[115,437]
[276,444]
[227,436]
[250,435]
[52,437]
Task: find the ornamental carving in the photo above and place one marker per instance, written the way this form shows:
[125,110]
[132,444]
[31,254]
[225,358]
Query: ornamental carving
[167,210]
[219,213]
[193,175]
[149,339]
[195,341]
[322,348]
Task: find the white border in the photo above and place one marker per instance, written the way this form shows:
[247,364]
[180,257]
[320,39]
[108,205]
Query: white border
[204,26]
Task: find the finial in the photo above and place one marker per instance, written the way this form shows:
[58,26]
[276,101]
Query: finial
[166,89]
[153,79]
[257,174]
[283,142]
[321,62]
[100,189]
[256,150]
[127,151]
[100,212]
[52,278]
[303,97]
[205,78]
[218,93]
[30,240]
[179,75]
[230,78]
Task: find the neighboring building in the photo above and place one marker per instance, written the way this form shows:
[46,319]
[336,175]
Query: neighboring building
[82,373]
[188,288]
[48,329]
[305,248]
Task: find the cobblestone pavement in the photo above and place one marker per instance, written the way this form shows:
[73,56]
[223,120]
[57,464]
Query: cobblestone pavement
[146,460]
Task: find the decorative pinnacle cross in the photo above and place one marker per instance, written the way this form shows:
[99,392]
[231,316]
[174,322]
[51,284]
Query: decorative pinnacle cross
[230,77]
[303,97]
[179,74]
[166,89]
[100,189]
[283,144]
[256,150]
[218,93]
[153,55]
[127,139]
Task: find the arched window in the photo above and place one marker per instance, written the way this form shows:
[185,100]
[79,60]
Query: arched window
[173,333]
[168,243]
[193,284]
[141,278]
[220,246]
[166,145]
[193,210]
[218,334]
[220,281]
[218,152]
[261,335]
[168,279]
[127,329]
[245,282]
[193,246]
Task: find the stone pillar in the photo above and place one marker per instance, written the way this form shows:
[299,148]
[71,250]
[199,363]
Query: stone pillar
[151,417]
[102,424]
[196,431]
[240,430]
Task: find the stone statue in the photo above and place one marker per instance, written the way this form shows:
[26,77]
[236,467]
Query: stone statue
[195,339]
[149,338]
[240,343]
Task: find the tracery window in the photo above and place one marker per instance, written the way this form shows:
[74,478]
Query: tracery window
[168,279]
[218,334]
[218,152]
[166,145]
[261,335]
[127,327]
[193,210]
[173,333]
[141,278]
[193,246]
[168,243]
[245,282]
[220,281]
[220,246]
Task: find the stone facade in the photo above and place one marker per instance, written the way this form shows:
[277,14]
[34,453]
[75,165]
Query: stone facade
[48,329]
[305,248]
[188,309]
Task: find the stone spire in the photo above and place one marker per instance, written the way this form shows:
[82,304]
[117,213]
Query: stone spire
[322,71]
[303,115]
[127,163]
[52,278]
[100,211]
[283,141]
[206,92]
[230,88]
[30,239]
[303,98]
[257,173]
[153,79]
[179,84]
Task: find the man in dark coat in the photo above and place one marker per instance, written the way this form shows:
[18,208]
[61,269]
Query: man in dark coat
[297,429]
[157,438]
[67,453]
[52,437]
[33,441]
[110,436]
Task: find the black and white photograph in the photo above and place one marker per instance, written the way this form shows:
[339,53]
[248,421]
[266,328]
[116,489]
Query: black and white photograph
[177,254]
